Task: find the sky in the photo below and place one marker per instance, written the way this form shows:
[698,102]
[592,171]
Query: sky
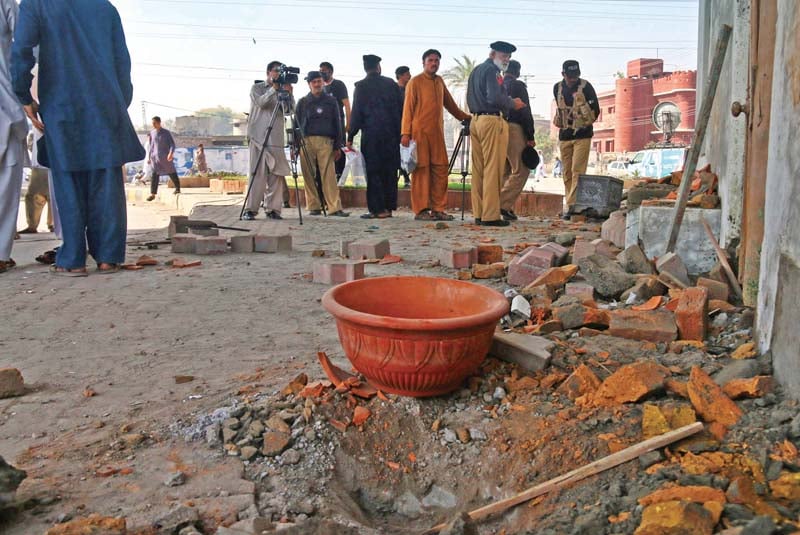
[193,54]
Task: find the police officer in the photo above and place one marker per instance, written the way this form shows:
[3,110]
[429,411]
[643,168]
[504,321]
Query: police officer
[320,123]
[577,110]
[489,104]
[520,135]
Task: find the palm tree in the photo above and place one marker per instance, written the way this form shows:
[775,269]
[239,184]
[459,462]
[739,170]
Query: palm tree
[457,78]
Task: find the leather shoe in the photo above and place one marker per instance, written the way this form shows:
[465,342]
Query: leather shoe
[509,215]
[340,213]
[495,223]
[315,212]
[272,214]
[249,216]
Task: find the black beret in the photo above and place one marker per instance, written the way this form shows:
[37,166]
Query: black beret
[502,46]
[313,75]
[371,61]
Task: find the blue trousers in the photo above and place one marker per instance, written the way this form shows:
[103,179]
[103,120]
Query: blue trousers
[92,208]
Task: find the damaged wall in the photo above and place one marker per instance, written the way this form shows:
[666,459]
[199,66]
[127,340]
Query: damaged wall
[778,313]
[724,146]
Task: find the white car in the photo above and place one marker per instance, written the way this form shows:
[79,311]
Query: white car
[617,169]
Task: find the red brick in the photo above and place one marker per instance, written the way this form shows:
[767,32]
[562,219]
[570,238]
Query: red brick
[710,401]
[184,243]
[613,229]
[755,387]
[278,243]
[242,244]
[338,272]
[489,271]
[11,383]
[652,326]
[582,381]
[527,266]
[211,245]
[368,249]
[557,276]
[716,290]
[581,290]
[582,249]
[560,251]
[631,383]
[605,248]
[489,254]
[459,257]
[692,314]
[673,264]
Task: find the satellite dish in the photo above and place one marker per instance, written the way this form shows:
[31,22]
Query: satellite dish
[666,117]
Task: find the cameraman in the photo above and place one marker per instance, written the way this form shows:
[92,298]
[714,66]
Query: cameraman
[321,126]
[270,176]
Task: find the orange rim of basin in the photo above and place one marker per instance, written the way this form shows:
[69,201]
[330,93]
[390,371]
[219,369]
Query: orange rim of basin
[415,336]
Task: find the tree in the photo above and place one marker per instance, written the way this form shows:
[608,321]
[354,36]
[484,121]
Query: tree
[545,144]
[218,111]
[457,78]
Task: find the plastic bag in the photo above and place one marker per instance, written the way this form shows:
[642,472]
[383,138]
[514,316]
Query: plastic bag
[354,166]
[408,157]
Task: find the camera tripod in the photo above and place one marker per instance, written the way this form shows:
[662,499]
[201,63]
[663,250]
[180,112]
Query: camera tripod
[462,149]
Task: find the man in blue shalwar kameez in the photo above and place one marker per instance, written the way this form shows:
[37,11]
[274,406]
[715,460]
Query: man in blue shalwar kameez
[84,91]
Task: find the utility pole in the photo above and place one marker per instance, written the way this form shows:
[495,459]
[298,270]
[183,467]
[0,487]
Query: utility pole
[144,115]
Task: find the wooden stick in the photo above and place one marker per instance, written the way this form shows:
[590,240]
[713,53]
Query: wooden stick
[699,135]
[606,463]
[723,259]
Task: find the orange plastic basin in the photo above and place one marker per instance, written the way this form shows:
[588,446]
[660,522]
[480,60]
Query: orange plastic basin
[415,336]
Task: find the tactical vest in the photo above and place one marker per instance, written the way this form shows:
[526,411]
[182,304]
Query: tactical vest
[577,116]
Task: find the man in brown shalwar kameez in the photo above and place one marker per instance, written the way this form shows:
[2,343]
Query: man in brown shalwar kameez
[423,121]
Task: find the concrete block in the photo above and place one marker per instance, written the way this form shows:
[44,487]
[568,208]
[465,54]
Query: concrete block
[581,290]
[242,244]
[458,257]
[673,264]
[174,222]
[650,225]
[338,272]
[613,229]
[11,383]
[184,243]
[344,245]
[605,275]
[633,260]
[560,251]
[368,249]
[211,245]
[531,353]
[490,254]
[204,231]
[281,243]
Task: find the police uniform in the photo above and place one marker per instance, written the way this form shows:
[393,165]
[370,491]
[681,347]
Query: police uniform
[489,103]
[320,123]
[520,132]
[577,108]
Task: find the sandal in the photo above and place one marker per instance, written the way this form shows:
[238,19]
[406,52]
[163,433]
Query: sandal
[441,216]
[5,265]
[109,269]
[63,272]
[47,258]
[425,215]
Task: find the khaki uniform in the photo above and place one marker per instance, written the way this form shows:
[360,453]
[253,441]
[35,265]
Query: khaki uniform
[517,172]
[489,134]
[575,155]
[319,149]
[37,196]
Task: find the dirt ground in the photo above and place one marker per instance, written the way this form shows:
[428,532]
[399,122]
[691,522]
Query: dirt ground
[100,355]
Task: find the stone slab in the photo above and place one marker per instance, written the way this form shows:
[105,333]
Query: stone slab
[529,352]
[338,272]
[281,243]
[368,249]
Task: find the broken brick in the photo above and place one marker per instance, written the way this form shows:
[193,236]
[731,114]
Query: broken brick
[274,443]
[654,423]
[613,228]
[596,317]
[556,276]
[529,264]
[581,290]
[693,493]
[631,383]
[691,315]
[755,387]
[716,290]
[279,243]
[489,254]
[464,275]
[360,416]
[211,245]
[489,271]
[744,351]
[183,243]
[723,306]
[368,249]
[459,257]
[633,260]
[560,251]
[582,381]
[654,326]
[645,288]
[146,260]
[582,249]
[672,264]
[676,518]
[710,401]
[11,383]
[338,272]
[787,486]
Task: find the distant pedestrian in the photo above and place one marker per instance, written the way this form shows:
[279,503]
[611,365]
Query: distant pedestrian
[337,90]
[557,168]
[13,132]
[85,91]
[377,109]
[38,194]
[161,149]
[403,75]
[521,134]
[423,121]
[577,110]
[200,159]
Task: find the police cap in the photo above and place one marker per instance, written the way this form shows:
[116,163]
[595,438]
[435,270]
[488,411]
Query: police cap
[371,61]
[571,68]
[530,157]
[502,46]
[313,75]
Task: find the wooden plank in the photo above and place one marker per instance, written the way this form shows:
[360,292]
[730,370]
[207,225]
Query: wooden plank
[699,135]
[723,259]
[601,465]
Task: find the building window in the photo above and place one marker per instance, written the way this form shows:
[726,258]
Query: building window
[612,109]
[610,145]
[597,146]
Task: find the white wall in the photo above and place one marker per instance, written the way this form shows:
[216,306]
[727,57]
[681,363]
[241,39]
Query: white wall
[724,146]
[778,314]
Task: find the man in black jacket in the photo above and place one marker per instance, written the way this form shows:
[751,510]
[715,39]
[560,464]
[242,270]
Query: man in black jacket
[319,121]
[377,110]
[520,135]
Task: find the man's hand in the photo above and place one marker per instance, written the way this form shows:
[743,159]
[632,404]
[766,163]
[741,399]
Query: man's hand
[32,111]
[170,157]
[518,104]
[532,143]
[337,154]
[405,140]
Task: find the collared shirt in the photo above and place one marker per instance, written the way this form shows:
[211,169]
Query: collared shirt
[485,91]
[517,89]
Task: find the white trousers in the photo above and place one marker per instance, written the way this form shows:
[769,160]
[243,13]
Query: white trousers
[10,186]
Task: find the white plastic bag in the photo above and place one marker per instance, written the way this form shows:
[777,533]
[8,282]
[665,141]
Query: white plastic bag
[354,166]
[408,157]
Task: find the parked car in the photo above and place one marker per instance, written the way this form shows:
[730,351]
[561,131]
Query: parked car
[656,163]
[617,169]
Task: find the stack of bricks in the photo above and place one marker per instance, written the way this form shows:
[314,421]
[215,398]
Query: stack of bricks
[534,261]
[215,245]
[340,271]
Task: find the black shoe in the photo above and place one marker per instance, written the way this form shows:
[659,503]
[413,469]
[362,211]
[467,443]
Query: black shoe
[566,217]
[509,215]
[286,204]
[176,192]
[315,212]
[272,214]
[368,215]
[495,223]
[340,213]
[477,220]
[249,216]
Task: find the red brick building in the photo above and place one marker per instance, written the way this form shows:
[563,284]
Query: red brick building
[625,122]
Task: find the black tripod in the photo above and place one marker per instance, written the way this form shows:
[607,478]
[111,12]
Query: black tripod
[462,149]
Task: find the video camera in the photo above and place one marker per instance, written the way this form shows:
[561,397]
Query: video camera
[288,75]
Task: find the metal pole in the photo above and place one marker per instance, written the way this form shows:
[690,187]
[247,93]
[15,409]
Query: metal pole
[700,134]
